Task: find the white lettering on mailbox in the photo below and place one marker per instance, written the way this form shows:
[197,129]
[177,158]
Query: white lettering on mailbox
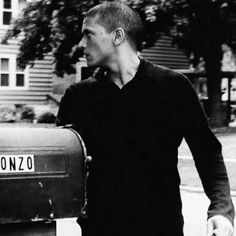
[16,163]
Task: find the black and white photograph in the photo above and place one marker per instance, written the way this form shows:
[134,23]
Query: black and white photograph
[117,117]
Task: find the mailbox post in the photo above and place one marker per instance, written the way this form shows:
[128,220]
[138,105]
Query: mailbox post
[41,179]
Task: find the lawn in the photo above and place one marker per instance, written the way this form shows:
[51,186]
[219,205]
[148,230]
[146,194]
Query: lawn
[188,173]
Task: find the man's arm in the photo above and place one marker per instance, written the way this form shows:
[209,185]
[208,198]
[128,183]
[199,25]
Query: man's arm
[74,102]
[66,112]
[207,154]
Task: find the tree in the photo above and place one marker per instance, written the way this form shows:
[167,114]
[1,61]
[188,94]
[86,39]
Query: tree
[199,27]
[50,26]
[202,26]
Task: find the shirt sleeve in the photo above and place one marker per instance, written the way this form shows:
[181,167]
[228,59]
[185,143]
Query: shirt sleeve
[207,152]
[65,113]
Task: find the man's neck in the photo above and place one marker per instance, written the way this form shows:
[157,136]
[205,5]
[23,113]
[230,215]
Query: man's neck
[124,69]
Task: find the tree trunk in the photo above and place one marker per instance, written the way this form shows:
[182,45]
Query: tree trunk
[216,109]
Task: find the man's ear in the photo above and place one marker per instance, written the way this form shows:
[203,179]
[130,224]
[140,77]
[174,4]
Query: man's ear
[119,36]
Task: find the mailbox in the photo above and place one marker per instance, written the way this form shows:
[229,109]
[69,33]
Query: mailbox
[41,174]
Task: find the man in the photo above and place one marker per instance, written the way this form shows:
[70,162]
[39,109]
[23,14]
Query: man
[133,116]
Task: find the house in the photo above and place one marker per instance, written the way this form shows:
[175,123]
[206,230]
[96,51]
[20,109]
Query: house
[19,86]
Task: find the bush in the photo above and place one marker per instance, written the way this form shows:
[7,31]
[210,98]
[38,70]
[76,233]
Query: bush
[7,114]
[47,117]
[27,114]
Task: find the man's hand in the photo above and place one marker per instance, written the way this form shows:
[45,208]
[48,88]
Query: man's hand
[219,226]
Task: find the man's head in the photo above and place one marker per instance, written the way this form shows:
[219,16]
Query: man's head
[113,15]
[107,25]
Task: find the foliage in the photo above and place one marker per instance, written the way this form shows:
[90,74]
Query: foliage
[50,26]
[17,113]
[27,114]
[54,26]
[47,118]
[203,26]
[7,114]
[200,27]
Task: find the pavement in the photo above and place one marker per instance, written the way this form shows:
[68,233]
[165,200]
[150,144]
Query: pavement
[195,205]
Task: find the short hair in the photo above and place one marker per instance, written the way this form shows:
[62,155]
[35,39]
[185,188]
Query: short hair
[116,14]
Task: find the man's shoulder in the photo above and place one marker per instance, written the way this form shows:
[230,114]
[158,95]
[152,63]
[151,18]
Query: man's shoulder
[84,83]
[83,86]
[162,74]
[165,71]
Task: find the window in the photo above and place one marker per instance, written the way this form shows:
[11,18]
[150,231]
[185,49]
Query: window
[20,76]
[11,75]
[7,4]
[10,9]
[6,12]
[4,69]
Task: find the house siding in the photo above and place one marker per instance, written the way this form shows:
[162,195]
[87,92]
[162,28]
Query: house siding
[39,78]
[40,84]
[164,53]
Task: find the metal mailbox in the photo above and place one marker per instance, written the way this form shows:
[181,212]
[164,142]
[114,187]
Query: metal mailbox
[41,174]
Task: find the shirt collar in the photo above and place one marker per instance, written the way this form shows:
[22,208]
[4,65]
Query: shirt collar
[101,74]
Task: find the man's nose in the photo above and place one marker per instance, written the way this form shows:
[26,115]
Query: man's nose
[82,43]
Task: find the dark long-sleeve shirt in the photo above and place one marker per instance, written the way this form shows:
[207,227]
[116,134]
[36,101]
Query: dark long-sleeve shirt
[133,135]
